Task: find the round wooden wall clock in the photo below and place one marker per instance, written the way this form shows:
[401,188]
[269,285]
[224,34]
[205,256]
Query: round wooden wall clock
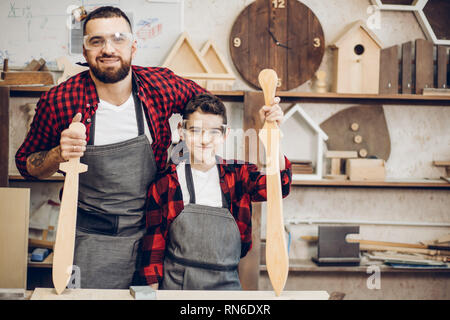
[284,35]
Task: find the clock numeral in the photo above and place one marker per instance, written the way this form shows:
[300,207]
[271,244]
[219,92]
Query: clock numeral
[279,83]
[316,42]
[278,4]
[237,42]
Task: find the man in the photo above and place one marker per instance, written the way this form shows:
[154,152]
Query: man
[114,100]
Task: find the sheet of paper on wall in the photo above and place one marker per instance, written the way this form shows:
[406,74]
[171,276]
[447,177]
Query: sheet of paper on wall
[156,28]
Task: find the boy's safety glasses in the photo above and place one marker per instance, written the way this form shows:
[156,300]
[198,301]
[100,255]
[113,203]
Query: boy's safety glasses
[198,131]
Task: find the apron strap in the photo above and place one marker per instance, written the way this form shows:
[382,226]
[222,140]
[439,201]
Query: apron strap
[191,189]
[138,111]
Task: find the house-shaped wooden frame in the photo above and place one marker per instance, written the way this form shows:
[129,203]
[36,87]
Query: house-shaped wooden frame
[417,7]
[309,145]
[186,61]
[218,65]
[357,60]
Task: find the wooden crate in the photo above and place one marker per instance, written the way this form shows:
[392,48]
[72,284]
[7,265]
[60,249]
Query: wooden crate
[365,169]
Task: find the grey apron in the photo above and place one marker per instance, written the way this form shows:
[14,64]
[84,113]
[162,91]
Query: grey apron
[110,219]
[204,247]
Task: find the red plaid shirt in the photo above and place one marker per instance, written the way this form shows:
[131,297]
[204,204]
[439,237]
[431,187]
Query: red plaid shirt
[161,91]
[240,183]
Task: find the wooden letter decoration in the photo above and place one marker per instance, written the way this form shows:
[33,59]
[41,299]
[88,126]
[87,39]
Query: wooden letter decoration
[65,234]
[277,259]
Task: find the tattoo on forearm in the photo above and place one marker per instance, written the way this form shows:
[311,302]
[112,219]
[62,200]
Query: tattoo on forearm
[38,158]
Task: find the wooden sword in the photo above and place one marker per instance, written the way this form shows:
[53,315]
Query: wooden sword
[277,259]
[65,234]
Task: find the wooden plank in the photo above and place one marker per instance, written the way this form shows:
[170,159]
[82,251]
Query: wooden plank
[422,184]
[303,63]
[436,92]
[105,294]
[424,65]
[431,252]
[309,266]
[365,169]
[258,38]
[277,25]
[239,41]
[442,62]
[407,83]
[341,154]
[441,163]
[249,265]
[389,70]
[4,136]
[35,65]
[27,77]
[335,167]
[14,217]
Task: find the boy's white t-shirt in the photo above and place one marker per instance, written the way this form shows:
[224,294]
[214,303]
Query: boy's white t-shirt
[206,186]
[108,116]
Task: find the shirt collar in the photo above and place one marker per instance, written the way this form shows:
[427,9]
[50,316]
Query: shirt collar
[91,91]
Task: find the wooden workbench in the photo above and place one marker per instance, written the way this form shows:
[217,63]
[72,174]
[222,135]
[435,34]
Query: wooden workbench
[97,294]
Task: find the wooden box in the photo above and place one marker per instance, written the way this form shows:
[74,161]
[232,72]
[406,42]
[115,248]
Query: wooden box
[365,169]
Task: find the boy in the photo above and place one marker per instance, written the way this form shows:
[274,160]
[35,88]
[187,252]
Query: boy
[199,211]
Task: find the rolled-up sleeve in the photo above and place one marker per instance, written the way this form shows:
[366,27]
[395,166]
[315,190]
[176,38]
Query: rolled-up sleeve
[42,136]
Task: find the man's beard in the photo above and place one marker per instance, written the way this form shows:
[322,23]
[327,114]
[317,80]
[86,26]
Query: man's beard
[111,75]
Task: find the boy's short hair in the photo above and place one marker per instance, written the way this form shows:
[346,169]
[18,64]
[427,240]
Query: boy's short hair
[105,12]
[206,103]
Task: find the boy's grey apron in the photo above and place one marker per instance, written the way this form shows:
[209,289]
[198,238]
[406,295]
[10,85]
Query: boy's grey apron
[204,247]
[110,220]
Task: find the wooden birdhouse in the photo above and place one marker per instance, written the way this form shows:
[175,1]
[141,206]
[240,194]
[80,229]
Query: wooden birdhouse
[306,149]
[357,60]
[207,70]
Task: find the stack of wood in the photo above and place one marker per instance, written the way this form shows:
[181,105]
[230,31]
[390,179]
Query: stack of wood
[416,69]
[302,167]
[426,253]
[431,253]
[35,73]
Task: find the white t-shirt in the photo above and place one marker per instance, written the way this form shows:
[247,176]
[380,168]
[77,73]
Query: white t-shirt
[206,186]
[117,123]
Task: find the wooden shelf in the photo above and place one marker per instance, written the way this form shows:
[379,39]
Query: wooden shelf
[331,97]
[423,184]
[22,179]
[47,263]
[297,265]
[292,96]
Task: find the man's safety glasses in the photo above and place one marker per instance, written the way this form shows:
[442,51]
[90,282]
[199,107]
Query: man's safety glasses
[119,40]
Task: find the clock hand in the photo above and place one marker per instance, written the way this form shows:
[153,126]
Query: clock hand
[273,37]
[278,43]
[282,45]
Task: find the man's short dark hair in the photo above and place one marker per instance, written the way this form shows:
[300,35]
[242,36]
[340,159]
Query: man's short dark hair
[206,103]
[105,12]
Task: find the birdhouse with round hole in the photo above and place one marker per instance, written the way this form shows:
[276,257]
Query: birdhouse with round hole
[356,60]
